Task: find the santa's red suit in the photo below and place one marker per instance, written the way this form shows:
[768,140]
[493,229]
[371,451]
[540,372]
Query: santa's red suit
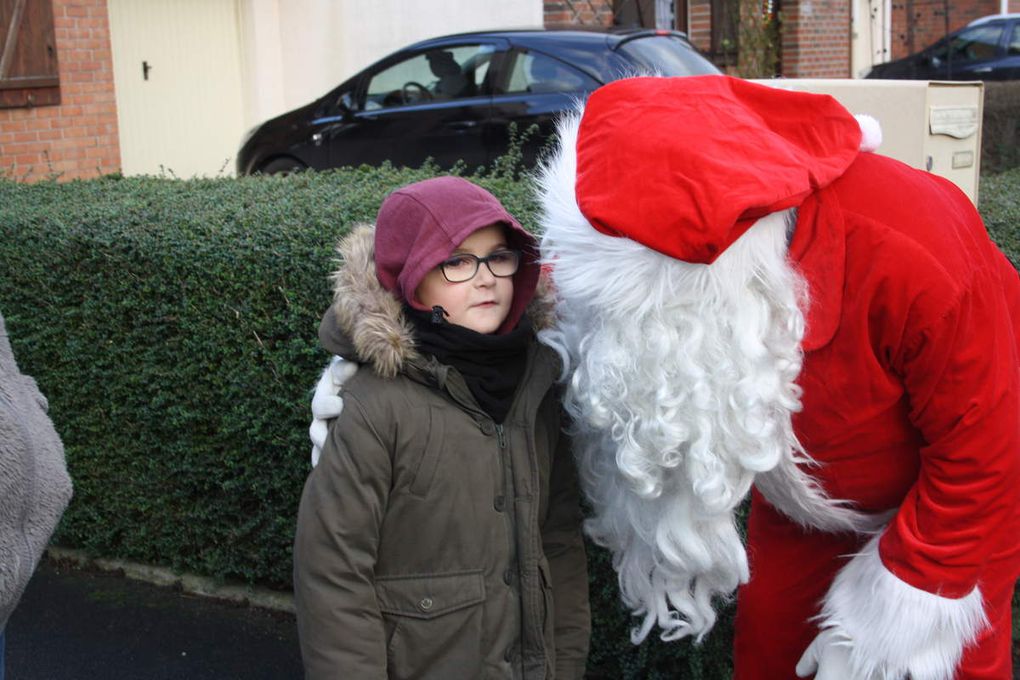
[909,402]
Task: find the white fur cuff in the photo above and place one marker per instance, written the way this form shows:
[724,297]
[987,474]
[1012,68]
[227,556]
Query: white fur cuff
[896,628]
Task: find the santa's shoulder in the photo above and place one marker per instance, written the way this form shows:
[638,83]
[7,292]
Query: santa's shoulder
[910,219]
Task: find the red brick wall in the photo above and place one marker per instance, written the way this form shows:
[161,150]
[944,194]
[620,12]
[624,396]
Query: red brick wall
[700,29]
[816,39]
[929,20]
[575,13]
[78,138]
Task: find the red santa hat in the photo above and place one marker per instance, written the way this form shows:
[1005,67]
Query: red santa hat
[686,165]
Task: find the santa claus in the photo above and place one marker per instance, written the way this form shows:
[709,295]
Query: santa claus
[749,303]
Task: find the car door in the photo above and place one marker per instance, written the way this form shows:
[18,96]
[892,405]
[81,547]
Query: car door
[533,89]
[432,103]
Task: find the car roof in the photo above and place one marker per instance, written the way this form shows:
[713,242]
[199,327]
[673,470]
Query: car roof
[994,17]
[579,37]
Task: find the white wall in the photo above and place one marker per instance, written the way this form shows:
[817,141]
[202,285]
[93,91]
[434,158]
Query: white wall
[296,50]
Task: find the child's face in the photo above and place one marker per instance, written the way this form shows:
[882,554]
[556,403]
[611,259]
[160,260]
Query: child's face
[480,303]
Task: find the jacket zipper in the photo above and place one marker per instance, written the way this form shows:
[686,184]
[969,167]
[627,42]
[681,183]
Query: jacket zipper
[510,521]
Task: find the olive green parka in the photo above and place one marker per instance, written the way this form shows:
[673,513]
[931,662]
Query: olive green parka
[431,541]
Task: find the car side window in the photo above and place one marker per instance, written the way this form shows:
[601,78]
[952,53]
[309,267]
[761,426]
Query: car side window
[533,72]
[975,44]
[435,75]
[1013,48]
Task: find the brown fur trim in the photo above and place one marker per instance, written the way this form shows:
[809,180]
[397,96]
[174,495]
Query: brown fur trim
[542,310]
[370,316]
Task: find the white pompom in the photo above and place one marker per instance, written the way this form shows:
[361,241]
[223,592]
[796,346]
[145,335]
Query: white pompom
[871,132]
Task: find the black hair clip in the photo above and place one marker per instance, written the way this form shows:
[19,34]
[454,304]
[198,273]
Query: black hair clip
[438,313]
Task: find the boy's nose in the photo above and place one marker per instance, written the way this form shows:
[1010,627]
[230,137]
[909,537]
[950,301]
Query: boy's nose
[484,277]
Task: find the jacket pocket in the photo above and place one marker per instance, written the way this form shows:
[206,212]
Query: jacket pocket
[434,624]
[425,469]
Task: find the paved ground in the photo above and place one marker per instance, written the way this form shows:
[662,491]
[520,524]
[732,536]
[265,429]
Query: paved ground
[75,624]
[83,625]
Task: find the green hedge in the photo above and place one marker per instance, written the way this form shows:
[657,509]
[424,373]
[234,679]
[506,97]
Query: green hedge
[172,324]
[1000,134]
[999,203]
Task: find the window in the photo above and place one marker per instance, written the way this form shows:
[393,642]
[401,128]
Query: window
[975,44]
[436,75]
[534,72]
[1013,48]
[28,54]
[665,55]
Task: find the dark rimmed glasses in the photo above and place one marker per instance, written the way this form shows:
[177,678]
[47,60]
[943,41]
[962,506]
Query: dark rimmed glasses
[463,267]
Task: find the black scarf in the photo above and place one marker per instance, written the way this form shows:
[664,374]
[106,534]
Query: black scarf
[492,365]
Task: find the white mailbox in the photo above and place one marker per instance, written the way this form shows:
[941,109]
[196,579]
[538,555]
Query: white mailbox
[931,125]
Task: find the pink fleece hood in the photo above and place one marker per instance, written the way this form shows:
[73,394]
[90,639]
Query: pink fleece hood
[419,225]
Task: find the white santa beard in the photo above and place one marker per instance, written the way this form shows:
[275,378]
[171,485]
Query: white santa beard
[682,388]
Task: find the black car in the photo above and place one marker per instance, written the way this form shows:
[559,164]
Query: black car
[454,98]
[986,49]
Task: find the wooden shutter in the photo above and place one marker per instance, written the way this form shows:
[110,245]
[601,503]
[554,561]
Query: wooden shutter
[28,54]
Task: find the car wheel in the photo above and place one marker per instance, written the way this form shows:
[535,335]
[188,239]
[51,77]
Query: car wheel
[282,166]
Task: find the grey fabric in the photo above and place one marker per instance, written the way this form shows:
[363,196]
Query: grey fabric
[34,485]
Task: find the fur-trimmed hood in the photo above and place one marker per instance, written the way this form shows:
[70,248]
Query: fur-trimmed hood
[367,324]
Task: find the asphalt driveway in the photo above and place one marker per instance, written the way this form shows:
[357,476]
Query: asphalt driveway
[75,624]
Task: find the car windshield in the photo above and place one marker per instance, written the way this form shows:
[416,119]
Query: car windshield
[665,55]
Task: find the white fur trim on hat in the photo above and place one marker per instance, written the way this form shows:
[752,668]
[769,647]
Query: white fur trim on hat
[895,628]
[871,132]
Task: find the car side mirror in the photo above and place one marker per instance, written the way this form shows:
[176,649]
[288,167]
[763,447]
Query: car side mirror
[345,105]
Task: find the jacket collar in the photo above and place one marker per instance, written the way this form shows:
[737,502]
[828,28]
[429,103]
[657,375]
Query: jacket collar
[818,249]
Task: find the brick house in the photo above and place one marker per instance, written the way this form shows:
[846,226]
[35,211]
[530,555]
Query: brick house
[91,87]
[57,109]
[819,38]
[80,97]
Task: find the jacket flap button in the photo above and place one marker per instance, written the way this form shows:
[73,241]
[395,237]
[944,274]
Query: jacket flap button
[425,604]
[508,577]
[488,428]
[499,503]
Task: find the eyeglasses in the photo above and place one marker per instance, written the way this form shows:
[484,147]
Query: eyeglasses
[460,268]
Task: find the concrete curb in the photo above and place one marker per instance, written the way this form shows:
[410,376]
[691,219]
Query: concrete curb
[235,592]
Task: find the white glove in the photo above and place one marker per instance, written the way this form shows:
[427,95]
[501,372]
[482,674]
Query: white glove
[326,402]
[828,658]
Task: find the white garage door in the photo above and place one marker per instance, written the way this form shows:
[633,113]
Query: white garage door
[177,71]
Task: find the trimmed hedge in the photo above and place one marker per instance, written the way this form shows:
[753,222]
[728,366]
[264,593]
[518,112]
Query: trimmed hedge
[1000,134]
[172,325]
[999,203]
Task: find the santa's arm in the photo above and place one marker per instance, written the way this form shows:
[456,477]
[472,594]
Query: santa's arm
[910,602]
[327,403]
